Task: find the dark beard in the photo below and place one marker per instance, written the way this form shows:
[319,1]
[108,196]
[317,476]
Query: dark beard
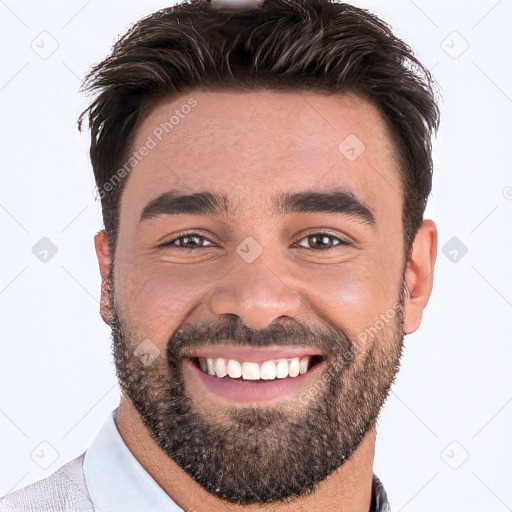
[271,453]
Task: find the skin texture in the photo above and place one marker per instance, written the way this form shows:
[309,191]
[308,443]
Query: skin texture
[251,146]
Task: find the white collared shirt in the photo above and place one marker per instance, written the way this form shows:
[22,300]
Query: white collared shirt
[115,478]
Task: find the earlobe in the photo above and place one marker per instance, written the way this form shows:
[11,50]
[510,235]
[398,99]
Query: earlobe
[419,275]
[103,254]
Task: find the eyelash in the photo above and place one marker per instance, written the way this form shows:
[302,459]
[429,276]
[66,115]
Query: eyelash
[170,243]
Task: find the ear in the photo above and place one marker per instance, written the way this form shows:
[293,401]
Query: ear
[103,255]
[419,274]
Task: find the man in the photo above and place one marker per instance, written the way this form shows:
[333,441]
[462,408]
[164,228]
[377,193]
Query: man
[263,170]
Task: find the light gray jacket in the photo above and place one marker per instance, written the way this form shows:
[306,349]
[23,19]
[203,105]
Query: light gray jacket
[63,491]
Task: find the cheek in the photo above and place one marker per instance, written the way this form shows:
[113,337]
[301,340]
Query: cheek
[353,298]
[158,299]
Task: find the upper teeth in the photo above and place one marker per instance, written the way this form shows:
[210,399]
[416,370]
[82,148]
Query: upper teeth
[268,370]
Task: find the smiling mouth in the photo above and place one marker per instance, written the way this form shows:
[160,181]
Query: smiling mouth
[272,369]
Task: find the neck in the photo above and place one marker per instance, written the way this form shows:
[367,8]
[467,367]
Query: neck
[348,489]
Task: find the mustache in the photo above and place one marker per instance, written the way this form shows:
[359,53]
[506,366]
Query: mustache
[328,340]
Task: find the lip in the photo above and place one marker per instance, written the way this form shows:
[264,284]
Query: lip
[254,355]
[238,391]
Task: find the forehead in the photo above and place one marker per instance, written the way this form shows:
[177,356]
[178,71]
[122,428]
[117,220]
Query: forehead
[254,145]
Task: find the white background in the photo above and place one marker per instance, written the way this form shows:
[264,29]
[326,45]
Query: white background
[57,379]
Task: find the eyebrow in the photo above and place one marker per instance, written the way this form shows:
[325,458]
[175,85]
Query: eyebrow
[205,203]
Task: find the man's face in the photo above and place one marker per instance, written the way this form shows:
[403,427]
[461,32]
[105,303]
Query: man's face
[303,275]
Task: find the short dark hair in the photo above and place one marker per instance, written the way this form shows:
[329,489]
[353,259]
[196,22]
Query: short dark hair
[285,45]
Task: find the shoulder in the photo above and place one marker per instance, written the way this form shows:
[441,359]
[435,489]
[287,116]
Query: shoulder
[63,491]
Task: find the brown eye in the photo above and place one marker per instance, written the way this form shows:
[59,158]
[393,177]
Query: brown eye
[321,242]
[190,241]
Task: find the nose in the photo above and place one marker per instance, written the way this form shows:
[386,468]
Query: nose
[256,293]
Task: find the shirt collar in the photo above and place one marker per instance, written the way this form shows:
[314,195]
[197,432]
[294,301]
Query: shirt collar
[117,481]
[115,478]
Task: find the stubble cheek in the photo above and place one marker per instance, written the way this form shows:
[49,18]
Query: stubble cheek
[154,304]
